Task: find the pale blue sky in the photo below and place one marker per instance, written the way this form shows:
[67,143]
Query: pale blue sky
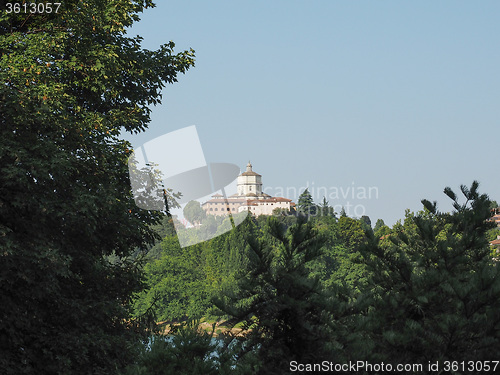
[399,95]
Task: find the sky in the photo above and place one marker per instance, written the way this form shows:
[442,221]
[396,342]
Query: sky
[390,100]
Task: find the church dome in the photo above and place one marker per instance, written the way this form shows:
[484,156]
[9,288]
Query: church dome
[249,171]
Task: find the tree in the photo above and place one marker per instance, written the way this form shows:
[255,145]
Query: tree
[306,204]
[435,290]
[383,232]
[366,224]
[278,211]
[379,224]
[366,220]
[342,257]
[71,81]
[343,213]
[325,209]
[175,286]
[194,213]
[278,300]
[350,232]
[187,352]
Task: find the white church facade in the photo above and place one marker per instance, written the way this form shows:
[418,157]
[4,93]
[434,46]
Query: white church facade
[249,197]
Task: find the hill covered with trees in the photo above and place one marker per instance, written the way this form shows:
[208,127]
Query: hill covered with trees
[308,289]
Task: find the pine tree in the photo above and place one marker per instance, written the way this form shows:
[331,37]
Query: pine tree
[343,213]
[379,224]
[435,291]
[279,303]
[366,224]
[325,209]
[306,204]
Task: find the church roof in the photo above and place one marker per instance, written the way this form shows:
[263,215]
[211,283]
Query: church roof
[249,171]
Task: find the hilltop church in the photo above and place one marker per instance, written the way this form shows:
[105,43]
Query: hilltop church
[249,197]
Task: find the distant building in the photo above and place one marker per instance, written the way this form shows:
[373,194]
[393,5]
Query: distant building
[249,197]
[495,217]
[495,242]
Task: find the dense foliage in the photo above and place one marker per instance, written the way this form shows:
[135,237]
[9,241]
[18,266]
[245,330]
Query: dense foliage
[434,289]
[70,83]
[317,288]
[277,300]
[302,286]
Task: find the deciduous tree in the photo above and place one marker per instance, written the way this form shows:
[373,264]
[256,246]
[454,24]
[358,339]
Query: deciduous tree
[71,81]
[193,212]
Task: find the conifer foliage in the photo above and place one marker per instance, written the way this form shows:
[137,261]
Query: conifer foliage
[306,204]
[278,300]
[435,290]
